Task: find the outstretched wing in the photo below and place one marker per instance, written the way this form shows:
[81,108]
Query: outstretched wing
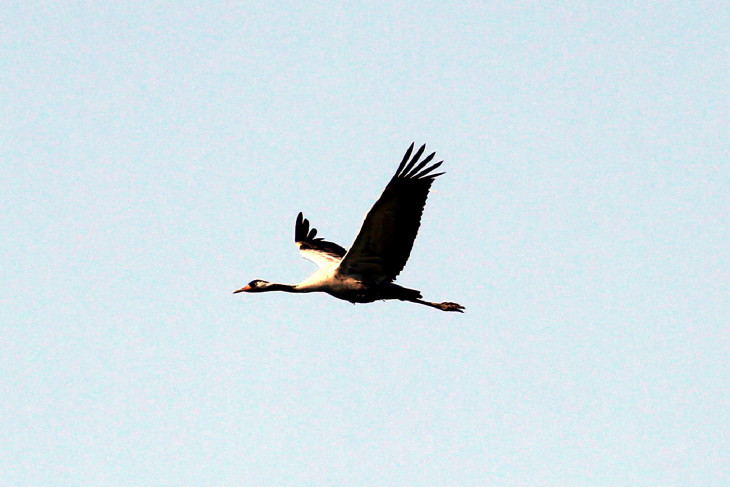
[382,247]
[317,250]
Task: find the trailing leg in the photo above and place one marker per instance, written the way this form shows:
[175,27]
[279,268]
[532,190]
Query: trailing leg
[445,306]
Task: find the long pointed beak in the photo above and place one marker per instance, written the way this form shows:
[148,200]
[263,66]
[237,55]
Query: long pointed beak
[244,288]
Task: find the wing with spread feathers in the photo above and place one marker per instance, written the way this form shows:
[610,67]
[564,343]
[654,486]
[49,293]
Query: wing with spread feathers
[382,247]
[317,250]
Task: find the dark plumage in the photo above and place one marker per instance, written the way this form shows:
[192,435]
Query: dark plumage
[390,227]
[305,238]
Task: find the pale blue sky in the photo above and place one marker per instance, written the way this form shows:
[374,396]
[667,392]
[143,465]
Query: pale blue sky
[155,156]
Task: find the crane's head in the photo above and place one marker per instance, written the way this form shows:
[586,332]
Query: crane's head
[255,286]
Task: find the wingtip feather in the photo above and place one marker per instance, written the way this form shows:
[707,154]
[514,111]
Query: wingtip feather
[413,173]
[405,159]
[301,229]
[425,172]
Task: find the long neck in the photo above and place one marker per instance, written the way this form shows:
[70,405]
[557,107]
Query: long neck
[273,286]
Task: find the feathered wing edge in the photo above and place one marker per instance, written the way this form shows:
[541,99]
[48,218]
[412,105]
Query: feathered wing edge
[317,250]
[410,172]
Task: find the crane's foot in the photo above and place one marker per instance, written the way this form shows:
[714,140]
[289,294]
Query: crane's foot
[449,306]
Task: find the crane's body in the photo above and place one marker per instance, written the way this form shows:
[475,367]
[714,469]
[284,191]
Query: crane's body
[381,249]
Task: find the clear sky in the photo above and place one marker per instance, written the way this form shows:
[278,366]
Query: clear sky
[155,156]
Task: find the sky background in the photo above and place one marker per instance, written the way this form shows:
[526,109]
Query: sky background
[155,156]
